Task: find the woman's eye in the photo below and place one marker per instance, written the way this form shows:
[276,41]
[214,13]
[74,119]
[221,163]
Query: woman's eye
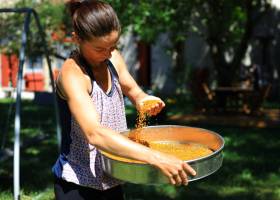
[99,50]
[103,50]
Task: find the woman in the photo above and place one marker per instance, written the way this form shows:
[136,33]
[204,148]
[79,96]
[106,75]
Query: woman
[90,90]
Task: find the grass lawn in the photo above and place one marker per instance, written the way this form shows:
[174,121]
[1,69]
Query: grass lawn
[251,168]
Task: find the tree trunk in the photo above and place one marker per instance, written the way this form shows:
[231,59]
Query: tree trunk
[144,56]
[240,51]
[179,63]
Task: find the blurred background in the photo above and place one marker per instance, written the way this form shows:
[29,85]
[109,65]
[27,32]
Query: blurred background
[214,63]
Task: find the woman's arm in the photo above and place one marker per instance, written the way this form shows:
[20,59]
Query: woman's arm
[129,86]
[75,86]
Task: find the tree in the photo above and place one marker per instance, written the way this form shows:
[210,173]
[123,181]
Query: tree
[227,27]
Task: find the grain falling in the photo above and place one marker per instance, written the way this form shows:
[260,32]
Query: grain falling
[142,113]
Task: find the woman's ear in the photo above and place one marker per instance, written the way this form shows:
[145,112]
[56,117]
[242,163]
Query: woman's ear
[75,38]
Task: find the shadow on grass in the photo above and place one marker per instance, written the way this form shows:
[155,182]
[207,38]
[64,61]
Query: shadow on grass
[38,146]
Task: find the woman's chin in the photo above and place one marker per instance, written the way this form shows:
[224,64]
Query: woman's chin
[100,60]
[104,59]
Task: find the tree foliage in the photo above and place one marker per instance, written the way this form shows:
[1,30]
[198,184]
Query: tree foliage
[148,19]
[52,18]
[225,25]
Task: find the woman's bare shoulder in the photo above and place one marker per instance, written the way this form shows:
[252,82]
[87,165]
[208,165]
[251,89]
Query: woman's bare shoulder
[71,73]
[118,61]
[70,66]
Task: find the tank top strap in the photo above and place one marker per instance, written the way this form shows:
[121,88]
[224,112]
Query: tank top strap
[112,69]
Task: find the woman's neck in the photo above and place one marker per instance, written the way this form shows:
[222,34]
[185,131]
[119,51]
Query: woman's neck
[91,65]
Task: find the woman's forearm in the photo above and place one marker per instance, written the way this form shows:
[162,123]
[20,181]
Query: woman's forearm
[110,141]
[135,94]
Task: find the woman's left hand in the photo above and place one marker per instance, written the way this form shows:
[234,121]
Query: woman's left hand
[150,104]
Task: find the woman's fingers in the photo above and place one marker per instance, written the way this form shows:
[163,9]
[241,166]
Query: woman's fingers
[184,177]
[172,180]
[187,168]
[175,169]
[155,109]
[178,179]
[179,176]
[151,105]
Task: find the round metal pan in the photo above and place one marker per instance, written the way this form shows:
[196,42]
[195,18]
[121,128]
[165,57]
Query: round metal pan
[142,173]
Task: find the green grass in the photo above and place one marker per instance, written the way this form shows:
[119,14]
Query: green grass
[251,168]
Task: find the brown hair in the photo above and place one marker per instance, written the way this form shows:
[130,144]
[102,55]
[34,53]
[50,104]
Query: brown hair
[92,18]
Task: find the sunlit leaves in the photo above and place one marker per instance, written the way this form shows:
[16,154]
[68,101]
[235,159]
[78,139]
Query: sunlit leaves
[52,18]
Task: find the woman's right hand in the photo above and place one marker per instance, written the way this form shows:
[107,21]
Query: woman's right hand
[176,170]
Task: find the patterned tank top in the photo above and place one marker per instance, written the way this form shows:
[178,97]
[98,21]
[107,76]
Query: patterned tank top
[80,162]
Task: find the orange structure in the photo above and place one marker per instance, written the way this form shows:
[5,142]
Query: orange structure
[34,82]
[9,65]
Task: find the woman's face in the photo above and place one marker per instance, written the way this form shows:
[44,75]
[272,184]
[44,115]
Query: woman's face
[98,49]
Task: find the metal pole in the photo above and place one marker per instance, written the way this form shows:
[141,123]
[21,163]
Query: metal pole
[41,32]
[18,109]
[0,72]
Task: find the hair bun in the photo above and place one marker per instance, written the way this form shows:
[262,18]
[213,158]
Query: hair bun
[73,5]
